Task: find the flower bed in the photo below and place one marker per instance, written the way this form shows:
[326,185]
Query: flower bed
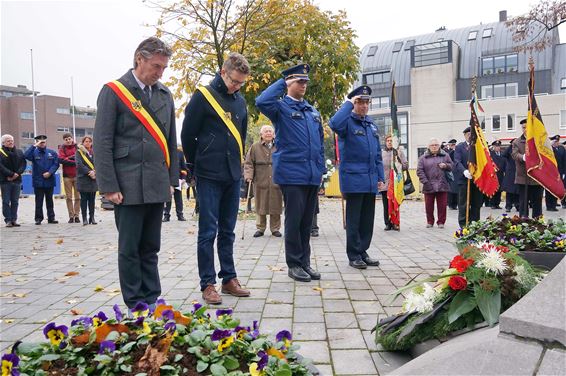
[522,234]
[162,342]
[480,284]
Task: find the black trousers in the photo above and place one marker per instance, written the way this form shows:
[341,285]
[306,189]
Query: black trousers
[496,199]
[385,202]
[476,202]
[139,241]
[178,197]
[40,194]
[360,213]
[453,200]
[300,202]
[534,200]
[87,201]
[550,200]
[511,199]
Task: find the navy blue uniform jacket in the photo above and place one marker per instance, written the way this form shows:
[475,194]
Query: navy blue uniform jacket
[43,160]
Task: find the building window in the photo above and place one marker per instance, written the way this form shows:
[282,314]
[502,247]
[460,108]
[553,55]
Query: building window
[62,129]
[379,102]
[383,123]
[26,115]
[496,123]
[397,46]
[486,33]
[372,50]
[63,111]
[500,64]
[376,78]
[510,122]
[409,44]
[473,35]
[431,54]
[28,135]
[563,85]
[562,119]
[499,90]
[481,119]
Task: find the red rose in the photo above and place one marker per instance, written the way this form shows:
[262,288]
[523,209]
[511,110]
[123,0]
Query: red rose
[460,263]
[457,282]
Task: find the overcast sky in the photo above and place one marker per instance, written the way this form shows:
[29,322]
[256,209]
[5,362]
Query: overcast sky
[93,41]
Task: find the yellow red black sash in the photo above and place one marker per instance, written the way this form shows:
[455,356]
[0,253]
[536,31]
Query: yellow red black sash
[143,116]
[225,116]
[86,160]
[3,152]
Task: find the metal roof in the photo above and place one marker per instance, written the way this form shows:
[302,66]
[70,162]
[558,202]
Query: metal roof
[499,43]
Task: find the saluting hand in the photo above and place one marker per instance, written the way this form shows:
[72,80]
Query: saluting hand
[354,99]
[290,81]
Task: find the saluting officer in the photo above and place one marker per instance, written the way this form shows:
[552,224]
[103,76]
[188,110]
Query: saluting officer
[298,163]
[361,173]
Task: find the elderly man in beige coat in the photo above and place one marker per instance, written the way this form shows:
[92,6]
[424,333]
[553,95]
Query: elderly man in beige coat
[268,197]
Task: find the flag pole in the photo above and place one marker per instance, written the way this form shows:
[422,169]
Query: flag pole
[73,108]
[33,95]
[468,203]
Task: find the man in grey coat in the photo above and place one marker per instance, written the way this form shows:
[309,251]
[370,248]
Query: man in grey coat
[136,162]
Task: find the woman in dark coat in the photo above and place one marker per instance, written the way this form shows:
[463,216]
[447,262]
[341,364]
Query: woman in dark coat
[86,179]
[431,170]
[508,185]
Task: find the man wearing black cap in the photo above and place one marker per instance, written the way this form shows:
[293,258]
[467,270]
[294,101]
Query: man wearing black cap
[530,192]
[298,163]
[361,173]
[44,164]
[499,160]
[461,176]
[560,155]
[453,194]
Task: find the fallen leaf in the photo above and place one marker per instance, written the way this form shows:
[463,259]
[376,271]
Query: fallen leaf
[19,295]
[154,357]
[9,321]
[72,301]
[191,232]
[81,266]
[194,302]
[34,253]
[76,254]
[275,268]
[113,294]
[70,274]
[6,274]
[317,288]
[21,279]
[98,288]
[76,311]
[115,290]
[59,241]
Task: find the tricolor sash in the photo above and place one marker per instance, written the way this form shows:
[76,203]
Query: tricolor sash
[86,160]
[225,116]
[142,114]
[3,152]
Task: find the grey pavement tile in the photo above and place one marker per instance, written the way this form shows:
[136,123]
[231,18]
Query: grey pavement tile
[357,285]
[346,339]
[278,297]
[362,295]
[368,322]
[317,351]
[334,294]
[310,314]
[352,362]
[272,326]
[332,284]
[367,307]
[339,320]
[258,283]
[324,369]
[387,362]
[307,301]
[337,306]
[278,310]
[309,331]
[250,305]
[369,339]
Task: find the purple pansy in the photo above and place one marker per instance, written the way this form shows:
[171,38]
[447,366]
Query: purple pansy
[140,308]
[84,321]
[170,327]
[160,301]
[218,334]
[222,312]
[167,315]
[196,307]
[118,312]
[263,359]
[10,365]
[282,335]
[107,345]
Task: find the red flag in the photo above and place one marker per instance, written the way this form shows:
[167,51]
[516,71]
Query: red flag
[392,201]
[539,157]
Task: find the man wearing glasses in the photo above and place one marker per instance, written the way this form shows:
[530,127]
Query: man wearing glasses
[213,136]
[298,163]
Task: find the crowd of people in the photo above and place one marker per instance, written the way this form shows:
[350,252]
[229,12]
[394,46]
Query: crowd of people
[133,160]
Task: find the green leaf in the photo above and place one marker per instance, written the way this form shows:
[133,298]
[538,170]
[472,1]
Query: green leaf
[102,358]
[49,357]
[462,303]
[167,367]
[218,370]
[284,372]
[126,368]
[489,304]
[201,366]
[128,347]
[112,336]
[26,348]
[231,363]
[178,357]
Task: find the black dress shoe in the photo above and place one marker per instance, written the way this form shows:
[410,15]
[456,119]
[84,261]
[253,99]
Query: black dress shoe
[181,218]
[496,207]
[77,220]
[370,262]
[52,221]
[15,224]
[313,273]
[388,228]
[71,220]
[358,264]
[166,218]
[507,210]
[258,234]
[298,274]
[276,233]
[314,233]
[38,222]
[551,209]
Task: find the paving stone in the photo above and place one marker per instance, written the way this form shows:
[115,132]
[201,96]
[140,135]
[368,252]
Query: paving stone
[316,350]
[272,326]
[346,339]
[278,310]
[309,331]
[334,294]
[361,295]
[367,307]
[337,306]
[308,301]
[352,362]
[387,362]
[250,305]
[338,320]
[553,363]
[310,314]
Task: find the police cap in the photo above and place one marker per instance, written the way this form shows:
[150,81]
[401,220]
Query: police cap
[300,71]
[555,138]
[496,143]
[467,130]
[524,121]
[40,137]
[363,91]
[452,141]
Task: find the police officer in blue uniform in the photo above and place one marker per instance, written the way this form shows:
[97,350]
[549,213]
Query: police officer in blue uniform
[44,164]
[361,173]
[500,161]
[298,163]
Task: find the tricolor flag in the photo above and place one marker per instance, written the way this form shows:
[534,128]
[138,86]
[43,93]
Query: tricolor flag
[480,164]
[395,193]
[539,158]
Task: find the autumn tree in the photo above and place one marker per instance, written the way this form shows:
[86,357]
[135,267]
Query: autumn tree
[532,30]
[272,34]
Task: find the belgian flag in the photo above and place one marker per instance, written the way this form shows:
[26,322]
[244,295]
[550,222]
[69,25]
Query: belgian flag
[539,157]
[480,164]
[395,194]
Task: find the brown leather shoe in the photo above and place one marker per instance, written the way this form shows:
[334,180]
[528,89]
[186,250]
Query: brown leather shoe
[234,288]
[211,296]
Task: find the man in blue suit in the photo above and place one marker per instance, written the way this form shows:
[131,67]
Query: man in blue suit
[361,173]
[461,176]
[500,161]
[298,163]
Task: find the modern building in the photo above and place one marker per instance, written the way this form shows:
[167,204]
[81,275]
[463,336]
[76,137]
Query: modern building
[433,75]
[53,117]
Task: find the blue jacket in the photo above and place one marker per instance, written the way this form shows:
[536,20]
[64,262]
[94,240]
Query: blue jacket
[361,166]
[43,160]
[299,159]
[461,155]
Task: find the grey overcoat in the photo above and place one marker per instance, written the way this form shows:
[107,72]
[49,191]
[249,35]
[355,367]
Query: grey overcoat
[128,159]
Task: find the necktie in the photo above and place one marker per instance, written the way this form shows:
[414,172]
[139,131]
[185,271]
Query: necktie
[147,93]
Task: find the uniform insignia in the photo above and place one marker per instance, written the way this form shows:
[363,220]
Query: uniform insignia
[137,105]
[305,70]
[228,115]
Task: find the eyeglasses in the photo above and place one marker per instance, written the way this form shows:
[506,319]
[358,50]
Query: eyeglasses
[235,82]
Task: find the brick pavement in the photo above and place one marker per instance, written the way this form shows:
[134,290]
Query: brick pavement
[331,319]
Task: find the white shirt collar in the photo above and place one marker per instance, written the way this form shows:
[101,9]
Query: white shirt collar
[141,84]
[295,99]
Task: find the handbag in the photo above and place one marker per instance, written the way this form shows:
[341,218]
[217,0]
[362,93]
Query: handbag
[408,186]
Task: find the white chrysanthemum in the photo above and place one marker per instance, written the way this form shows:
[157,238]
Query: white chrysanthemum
[417,303]
[429,292]
[493,262]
